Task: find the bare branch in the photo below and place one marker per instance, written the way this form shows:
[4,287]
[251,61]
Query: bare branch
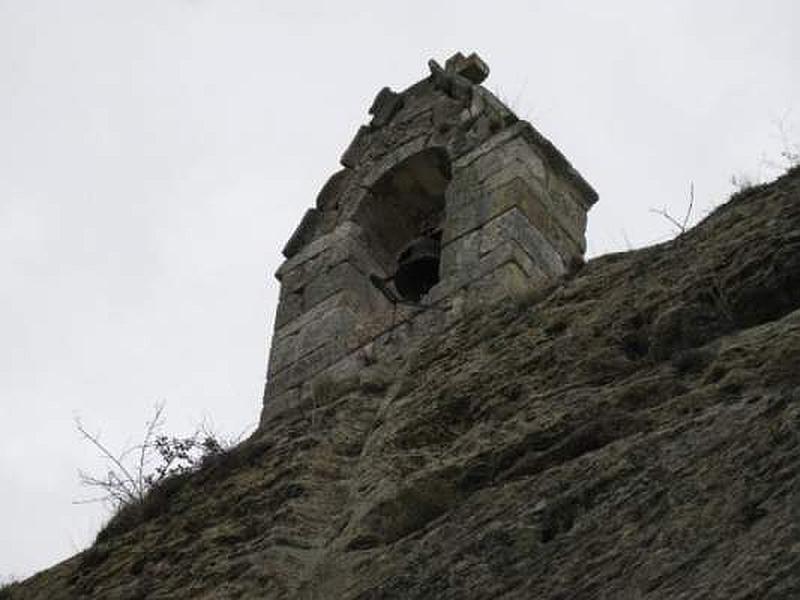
[682,225]
[789,152]
[152,426]
[95,441]
[689,208]
[94,500]
[157,457]
[663,212]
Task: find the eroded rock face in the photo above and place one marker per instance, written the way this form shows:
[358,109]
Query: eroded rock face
[446,200]
[633,432]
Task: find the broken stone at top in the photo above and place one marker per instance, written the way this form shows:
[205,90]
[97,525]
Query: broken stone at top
[384,107]
[472,67]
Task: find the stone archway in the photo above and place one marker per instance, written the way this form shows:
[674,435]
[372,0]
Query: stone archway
[405,204]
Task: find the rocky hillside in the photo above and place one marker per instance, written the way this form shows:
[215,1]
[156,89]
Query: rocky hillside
[633,432]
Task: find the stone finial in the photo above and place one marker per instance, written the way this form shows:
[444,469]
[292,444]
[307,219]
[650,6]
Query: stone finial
[472,67]
[384,107]
[450,82]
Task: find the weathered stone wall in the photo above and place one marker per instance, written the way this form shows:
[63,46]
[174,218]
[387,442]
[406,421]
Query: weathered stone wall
[446,156]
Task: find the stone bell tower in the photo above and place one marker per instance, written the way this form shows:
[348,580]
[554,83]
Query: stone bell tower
[445,200]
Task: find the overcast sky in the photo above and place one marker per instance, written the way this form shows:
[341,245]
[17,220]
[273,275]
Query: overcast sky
[156,154]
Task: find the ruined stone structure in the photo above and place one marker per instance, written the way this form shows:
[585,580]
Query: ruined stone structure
[445,200]
[632,433]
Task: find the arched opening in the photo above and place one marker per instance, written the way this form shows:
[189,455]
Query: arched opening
[403,217]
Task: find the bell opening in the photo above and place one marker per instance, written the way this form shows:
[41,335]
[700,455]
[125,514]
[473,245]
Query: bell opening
[418,268]
[401,218]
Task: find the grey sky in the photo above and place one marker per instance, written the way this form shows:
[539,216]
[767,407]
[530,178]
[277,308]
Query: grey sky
[156,154]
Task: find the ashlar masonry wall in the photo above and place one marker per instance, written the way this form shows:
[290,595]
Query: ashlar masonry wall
[443,159]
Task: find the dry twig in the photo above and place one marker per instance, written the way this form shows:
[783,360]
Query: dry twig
[683,224]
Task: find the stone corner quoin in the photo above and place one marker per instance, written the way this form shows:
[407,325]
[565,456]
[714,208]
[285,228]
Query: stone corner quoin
[445,200]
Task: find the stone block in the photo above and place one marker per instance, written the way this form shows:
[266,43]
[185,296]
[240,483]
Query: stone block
[559,164]
[472,67]
[446,116]
[335,302]
[300,371]
[334,190]
[384,107]
[337,327]
[555,161]
[533,196]
[497,109]
[351,317]
[303,234]
[290,307]
[551,227]
[386,141]
[508,251]
[516,158]
[462,191]
[352,155]
[507,280]
[441,293]
[424,322]
[513,225]
[373,325]
[485,204]
[279,402]
[416,121]
[332,240]
[343,277]
[510,165]
[461,221]
[385,163]
[472,111]
[498,139]
[451,83]
[304,368]
[342,369]
[345,243]
[568,202]
[305,284]
[492,171]
[537,205]
[460,255]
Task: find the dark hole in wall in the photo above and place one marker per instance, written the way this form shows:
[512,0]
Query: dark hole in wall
[418,267]
[402,219]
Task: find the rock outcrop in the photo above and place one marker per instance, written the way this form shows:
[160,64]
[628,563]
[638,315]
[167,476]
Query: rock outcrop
[631,432]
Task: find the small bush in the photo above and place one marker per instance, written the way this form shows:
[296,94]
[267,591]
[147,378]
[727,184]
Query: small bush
[141,480]
[134,471]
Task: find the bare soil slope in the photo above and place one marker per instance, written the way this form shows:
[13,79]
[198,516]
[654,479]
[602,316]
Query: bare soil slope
[632,433]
